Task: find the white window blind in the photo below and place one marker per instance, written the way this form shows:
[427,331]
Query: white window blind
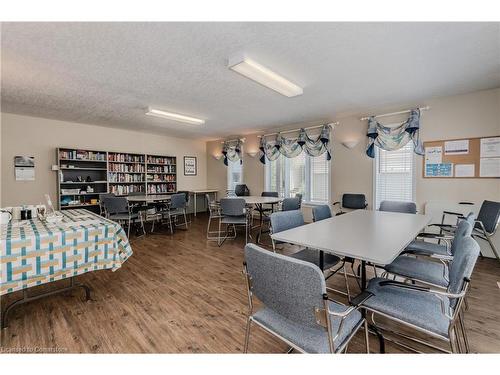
[394,175]
[303,174]
[234,174]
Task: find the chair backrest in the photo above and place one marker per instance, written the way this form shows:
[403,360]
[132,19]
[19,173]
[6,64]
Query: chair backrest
[115,205]
[464,229]
[354,201]
[186,194]
[232,206]
[284,220]
[489,215]
[290,204]
[321,212]
[290,287]
[241,190]
[398,206]
[273,194]
[462,265]
[178,200]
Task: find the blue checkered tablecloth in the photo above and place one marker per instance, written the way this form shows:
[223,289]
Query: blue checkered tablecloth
[34,252]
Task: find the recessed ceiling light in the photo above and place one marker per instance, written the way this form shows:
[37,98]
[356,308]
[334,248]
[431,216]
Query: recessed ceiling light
[174,116]
[266,77]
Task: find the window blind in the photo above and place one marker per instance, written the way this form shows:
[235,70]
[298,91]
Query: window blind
[395,175]
[234,174]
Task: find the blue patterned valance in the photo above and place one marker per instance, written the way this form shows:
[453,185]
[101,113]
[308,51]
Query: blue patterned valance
[272,148]
[393,138]
[232,150]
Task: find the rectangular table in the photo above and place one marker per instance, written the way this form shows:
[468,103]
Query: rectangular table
[35,252]
[203,191]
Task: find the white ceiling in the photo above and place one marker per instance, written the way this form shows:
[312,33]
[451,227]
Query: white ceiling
[109,73]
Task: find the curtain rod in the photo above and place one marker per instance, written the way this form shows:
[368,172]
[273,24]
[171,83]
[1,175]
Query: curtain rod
[235,139]
[296,130]
[395,113]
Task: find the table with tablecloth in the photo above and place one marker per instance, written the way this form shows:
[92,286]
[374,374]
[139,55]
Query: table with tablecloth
[35,252]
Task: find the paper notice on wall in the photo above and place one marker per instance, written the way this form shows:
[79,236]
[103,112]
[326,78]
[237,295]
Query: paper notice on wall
[460,147]
[490,147]
[464,170]
[25,174]
[489,167]
[433,155]
[439,170]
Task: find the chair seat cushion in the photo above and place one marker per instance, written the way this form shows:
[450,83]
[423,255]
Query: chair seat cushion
[176,211]
[312,256]
[429,248]
[420,269]
[309,339]
[234,219]
[421,309]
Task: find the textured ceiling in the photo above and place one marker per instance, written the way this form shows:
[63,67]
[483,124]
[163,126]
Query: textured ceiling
[109,73]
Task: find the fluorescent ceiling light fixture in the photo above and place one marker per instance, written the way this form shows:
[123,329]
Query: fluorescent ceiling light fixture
[266,77]
[174,116]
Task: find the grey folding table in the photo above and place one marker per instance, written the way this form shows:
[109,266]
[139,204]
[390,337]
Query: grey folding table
[369,236]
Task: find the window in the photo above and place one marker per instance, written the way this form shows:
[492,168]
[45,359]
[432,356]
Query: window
[309,176]
[234,174]
[394,175]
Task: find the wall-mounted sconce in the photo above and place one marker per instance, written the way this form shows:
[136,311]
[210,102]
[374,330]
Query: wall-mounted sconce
[217,156]
[350,144]
[252,154]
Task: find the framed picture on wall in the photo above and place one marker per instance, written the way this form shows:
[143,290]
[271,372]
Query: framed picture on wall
[190,166]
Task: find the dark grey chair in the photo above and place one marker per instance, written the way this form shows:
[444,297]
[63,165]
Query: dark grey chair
[102,209]
[119,210]
[321,212]
[176,208]
[241,190]
[425,270]
[264,211]
[284,220]
[296,307]
[435,312]
[233,212]
[398,206]
[291,204]
[352,202]
[299,196]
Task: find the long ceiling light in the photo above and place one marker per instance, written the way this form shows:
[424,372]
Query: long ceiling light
[174,116]
[266,77]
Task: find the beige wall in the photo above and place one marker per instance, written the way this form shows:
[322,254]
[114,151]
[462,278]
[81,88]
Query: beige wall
[38,137]
[471,115]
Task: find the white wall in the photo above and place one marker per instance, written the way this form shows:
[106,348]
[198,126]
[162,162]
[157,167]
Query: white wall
[38,137]
[470,115]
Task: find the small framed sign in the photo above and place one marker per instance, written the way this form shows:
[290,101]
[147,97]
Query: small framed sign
[190,166]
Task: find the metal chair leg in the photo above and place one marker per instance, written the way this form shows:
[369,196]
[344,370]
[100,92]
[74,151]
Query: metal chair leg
[347,284]
[367,340]
[453,342]
[464,332]
[247,335]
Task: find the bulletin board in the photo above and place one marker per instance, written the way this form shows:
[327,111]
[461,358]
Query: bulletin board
[462,158]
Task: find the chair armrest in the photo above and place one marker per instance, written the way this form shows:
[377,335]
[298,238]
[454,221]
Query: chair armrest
[361,298]
[435,236]
[423,289]
[460,215]
[334,203]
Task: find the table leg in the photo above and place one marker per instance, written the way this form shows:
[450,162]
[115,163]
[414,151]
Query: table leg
[321,260]
[194,204]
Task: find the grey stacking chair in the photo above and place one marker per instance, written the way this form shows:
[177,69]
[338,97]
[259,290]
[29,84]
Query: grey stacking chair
[436,250]
[118,209]
[291,204]
[398,206]
[264,211]
[435,312]
[351,201]
[299,196]
[177,208]
[321,212]
[102,209]
[284,220]
[425,270]
[487,223]
[296,307]
[241,190]
[233,212]
[213,213]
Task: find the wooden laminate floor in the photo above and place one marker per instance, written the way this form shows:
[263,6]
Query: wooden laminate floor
[183,294]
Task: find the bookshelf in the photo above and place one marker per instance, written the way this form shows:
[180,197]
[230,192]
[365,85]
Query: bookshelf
[82,177]
[84,174]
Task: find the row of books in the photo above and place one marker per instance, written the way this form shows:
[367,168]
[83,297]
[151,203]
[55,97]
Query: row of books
[161,188]
[125,189]
[161,177]
[122,177]
[82,155]
[125,158]
[126,168]
[161,160]
[161,169]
